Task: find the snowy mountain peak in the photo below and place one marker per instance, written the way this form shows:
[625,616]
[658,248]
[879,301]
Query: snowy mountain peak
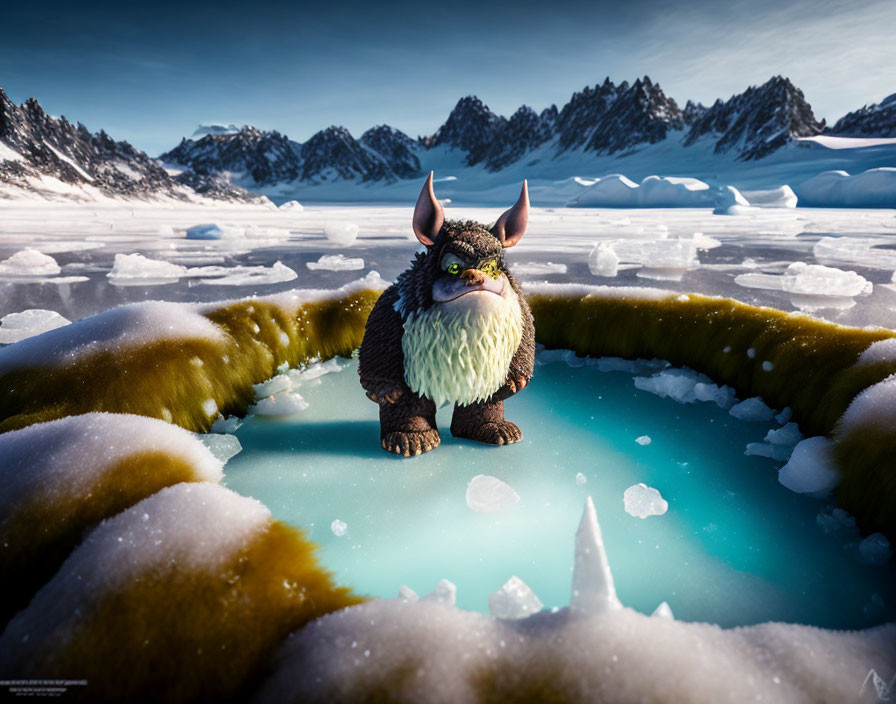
[758,121]
[870,121]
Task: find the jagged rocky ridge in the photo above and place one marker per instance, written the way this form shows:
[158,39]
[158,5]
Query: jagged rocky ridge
[603,119]
[35,147]
[869,121]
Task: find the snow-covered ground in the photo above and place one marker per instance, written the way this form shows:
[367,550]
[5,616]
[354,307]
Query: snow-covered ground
[62,257]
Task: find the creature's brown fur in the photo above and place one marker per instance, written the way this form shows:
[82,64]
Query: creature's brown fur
[407,421]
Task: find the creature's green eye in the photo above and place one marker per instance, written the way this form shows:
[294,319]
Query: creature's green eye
[490,268]
[452,264]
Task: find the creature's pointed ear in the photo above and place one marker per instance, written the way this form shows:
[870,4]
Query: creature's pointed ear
[428,215]
[511,226]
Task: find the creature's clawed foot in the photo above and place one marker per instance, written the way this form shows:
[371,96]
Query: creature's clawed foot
[501,432]
[410,443]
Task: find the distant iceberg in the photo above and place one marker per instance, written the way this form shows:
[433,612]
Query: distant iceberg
[617,191]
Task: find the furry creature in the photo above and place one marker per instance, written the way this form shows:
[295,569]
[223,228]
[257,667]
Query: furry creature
[454,328]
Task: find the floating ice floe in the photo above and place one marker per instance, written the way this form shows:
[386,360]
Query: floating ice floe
[223,446]
[254,276]
[336,262]
[812,286]
[642,501]
[34,321]
[338,527]
[514,600]
[643,440]
[211,231]
[29,262]
[752,410]
[730,201]
[617,191]
[686,386]
[341,233]
[778,444]
[286,403]
[136,267]
[811,468]
[854,251]
[293,205]
[538,268]
[487,494]
[874,188]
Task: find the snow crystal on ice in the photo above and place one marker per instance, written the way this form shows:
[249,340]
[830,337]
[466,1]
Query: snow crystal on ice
[642,501]
[514,600]
[336,262]
[34,321]
[753,410]
[29,262]
[338,527]
[341,233]
[811,467]
[487,494]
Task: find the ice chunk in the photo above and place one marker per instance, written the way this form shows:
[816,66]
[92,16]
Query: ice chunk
[811,467]
[514,600]
[667,260]
[811,286]
[685,386]
[787,435]
[405,593]
[663,611]
[336,262]
[253,275]
[854,251]
[784,416]
[29,262]
[538,268]
[781,197]
[730,201]
[136,266]
[444,593]
[293,205]
[617,191]
[316,370]
[338,527]
[341,233]
[875,549]
[643,440]
[34,321]
[487,494]
[226,425]
[274,385]
[581,479]
[753,410]
[593,591]
[603,260]
[642,501]
[282,404]
[223,447]
[211,231]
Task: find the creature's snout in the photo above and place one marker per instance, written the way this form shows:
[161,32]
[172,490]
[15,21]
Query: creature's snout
[472,277]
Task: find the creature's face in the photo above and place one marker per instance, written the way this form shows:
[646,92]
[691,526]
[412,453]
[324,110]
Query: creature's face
[467,264]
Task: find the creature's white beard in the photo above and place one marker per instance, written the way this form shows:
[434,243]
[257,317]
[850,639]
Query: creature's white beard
[460,351]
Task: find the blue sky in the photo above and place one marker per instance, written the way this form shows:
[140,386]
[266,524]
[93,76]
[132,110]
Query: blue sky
[149,72]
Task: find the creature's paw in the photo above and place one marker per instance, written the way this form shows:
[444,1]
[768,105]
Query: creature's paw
[410,443]
[385,394]
[517,384]
[498,433]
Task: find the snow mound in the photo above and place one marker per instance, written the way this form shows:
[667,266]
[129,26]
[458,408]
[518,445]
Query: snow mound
[874,188]
[29,262]
[293,205]
[514,600]
[603,260]
[782,197]
[136,266]
[336,262]
[752,410]
[617,191]
[119,328]
[880,351]
[341,233]
[487,494]
[18,326]
[730,201]
[811,467]
[642,501]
